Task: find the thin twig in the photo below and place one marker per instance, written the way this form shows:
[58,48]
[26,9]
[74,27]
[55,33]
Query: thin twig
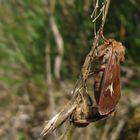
[90,56]
[58,119]
[63,115]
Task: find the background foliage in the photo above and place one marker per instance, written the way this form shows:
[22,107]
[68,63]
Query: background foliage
[24,31]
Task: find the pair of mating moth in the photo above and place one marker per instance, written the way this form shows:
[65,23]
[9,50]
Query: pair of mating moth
[107,87]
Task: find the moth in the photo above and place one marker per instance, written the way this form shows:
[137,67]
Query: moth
[107,87]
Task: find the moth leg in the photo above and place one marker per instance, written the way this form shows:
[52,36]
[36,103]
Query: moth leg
[87,98]
[81,91]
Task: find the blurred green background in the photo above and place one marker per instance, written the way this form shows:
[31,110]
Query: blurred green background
[27,28]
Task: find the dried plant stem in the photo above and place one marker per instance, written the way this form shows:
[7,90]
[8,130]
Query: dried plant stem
[49,8]
[58,119]
[60,48]
[90,56]
[63,115]
[49,77]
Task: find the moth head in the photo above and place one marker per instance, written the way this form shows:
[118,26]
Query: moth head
[119,49]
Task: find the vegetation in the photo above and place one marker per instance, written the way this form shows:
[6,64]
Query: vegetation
[25,33]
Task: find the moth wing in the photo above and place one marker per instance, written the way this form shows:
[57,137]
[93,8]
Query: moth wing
[110,89]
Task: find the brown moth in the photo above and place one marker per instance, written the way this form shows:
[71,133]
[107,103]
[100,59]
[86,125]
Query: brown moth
[107,88]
